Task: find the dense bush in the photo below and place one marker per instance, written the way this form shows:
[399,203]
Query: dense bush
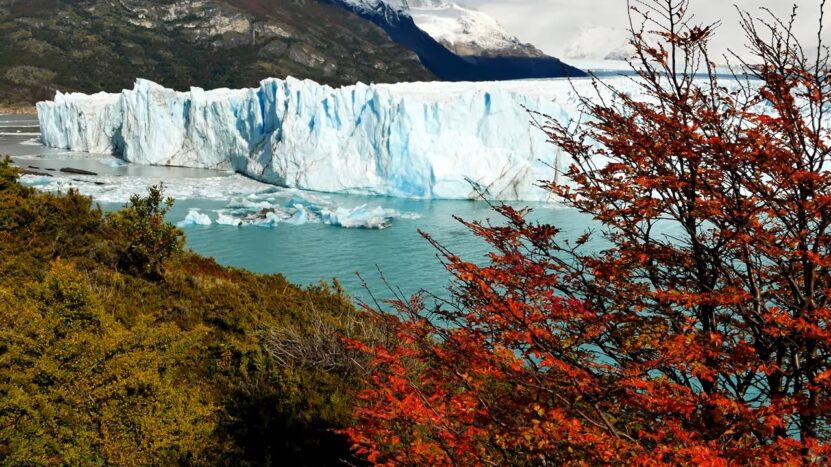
[166,363]
[151,241]
[80,388]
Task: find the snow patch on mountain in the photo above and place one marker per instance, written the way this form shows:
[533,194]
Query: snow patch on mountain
[374,5]
[390,9]
[465,31]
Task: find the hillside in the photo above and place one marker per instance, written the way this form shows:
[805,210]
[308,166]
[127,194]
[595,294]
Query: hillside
[109,357]
[103,45]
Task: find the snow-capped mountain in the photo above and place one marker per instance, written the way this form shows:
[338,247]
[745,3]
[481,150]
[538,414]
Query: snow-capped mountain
[390,9]
[458,43]
[467,32]
[600,43]
[183,43]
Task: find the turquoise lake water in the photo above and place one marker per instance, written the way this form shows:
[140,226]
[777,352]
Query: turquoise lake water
[305,254]
[309,253]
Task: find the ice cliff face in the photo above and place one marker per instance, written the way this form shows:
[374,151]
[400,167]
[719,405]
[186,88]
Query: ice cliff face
[423,140]
[85,123]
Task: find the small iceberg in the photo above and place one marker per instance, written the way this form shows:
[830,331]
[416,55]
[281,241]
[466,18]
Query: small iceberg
[35,180]
[300,216]
[265,218]
[226,219]
[114,163]
[359,217]
[195,217]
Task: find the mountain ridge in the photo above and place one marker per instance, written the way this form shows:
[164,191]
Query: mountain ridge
[461,48]
[103,45]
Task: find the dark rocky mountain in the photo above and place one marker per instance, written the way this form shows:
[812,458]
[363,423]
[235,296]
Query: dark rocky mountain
[103,45]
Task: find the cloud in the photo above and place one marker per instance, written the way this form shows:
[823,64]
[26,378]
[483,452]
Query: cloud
[563,27]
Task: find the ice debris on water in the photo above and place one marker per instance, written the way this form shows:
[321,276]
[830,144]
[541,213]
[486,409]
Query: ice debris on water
[271,212]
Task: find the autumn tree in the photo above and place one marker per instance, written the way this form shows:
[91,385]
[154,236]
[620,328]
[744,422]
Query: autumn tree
[699,335]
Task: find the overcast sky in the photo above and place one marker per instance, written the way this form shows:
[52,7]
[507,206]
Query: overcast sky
[593,28]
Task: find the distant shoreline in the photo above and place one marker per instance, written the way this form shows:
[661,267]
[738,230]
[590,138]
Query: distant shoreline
[18,109]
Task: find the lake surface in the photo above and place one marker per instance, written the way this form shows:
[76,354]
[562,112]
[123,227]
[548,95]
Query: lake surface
[307,245]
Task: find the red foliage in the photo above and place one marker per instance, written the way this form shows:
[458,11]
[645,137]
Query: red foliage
[699,336]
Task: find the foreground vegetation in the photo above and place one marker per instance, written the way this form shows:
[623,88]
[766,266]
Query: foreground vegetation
[118,347]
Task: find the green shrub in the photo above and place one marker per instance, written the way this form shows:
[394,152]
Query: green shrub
[78,388]
[8,174]
[188,370]
[151,241]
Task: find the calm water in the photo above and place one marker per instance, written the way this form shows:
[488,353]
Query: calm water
[313,252]
[306,254]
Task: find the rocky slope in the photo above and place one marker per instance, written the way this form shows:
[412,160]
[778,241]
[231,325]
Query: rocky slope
[103,45]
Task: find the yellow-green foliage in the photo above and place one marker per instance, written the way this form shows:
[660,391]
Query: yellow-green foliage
[151,240]
[79,387]
[101,364]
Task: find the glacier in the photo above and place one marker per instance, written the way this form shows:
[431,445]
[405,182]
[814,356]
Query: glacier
[411,140]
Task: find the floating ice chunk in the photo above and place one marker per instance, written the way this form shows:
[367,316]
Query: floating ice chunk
[270,213]
[35,180]
[195,217]
[359,217]
[241,204]
[118,188]
[300,216]
[409,215]
[305,203]
[269,219]
[113,162]
[262,218]
[226,219]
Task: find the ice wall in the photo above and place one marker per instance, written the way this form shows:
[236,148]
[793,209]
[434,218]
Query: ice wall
[423,140]
[81,122]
